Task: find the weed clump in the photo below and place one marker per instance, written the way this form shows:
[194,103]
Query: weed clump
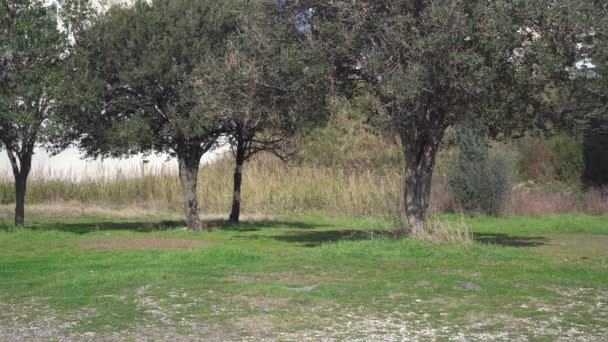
[480,176]
[436,230]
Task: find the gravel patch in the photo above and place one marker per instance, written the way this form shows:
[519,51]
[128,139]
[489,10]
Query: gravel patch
[264,319]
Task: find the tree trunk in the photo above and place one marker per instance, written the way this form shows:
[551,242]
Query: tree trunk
[238,180]
[21,164]
[20,189]
[189,157]
[420,152]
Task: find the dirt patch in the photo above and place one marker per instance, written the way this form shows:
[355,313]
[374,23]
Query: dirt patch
[305,278]
[71,209]
[122,243]
[570,247]
[68,209]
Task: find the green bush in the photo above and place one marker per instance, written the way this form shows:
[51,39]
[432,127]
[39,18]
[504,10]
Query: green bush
[349,142]
[480,176]
[569,159]
[546,160]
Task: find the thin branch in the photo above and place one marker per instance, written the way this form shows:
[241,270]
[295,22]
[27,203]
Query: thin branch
[12,156]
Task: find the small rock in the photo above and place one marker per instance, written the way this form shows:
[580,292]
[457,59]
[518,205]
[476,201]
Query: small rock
[304,288]
[470,286]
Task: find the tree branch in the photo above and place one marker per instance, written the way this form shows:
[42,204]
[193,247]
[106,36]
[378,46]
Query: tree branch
[12,157]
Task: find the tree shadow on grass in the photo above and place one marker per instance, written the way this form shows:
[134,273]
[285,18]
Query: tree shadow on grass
[307,235]
[252,226]
[91,226]
[509,240]
[316,238]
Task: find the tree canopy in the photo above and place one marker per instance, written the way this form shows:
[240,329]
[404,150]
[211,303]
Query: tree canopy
[139,62]
[433,64]
[137,65]
[174,76]
[33,75]
[269,87]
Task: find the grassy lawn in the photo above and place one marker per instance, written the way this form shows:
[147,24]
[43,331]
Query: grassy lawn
[302,278]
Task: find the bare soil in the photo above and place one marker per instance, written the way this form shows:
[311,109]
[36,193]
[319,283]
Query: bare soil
[123,243]
[570,247]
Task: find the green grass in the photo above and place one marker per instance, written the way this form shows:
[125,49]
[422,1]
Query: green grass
[299,275]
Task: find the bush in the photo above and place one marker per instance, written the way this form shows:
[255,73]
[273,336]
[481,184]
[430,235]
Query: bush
[559,158]
[349,142]
[570,160]
[480,176]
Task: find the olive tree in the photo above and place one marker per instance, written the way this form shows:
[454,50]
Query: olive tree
[266,90]
[136,71]
[33,74]
[433,64]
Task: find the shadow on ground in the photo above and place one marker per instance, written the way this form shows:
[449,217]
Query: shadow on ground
[316,238]
[90,226]
[94,226]
[302,233]
[253,226]
[509,240]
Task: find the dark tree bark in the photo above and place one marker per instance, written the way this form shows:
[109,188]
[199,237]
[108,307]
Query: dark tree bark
[245,144]
[240,156]
[20,189]
[420,151]
[189,158]
[21,164]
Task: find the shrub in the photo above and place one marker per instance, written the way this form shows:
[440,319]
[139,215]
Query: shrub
[536,202]
[479,175]
[535,160]
[543,160]
[349,142]
[569,157]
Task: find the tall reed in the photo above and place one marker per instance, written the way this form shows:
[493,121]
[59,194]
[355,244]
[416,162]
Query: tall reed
[271,187]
